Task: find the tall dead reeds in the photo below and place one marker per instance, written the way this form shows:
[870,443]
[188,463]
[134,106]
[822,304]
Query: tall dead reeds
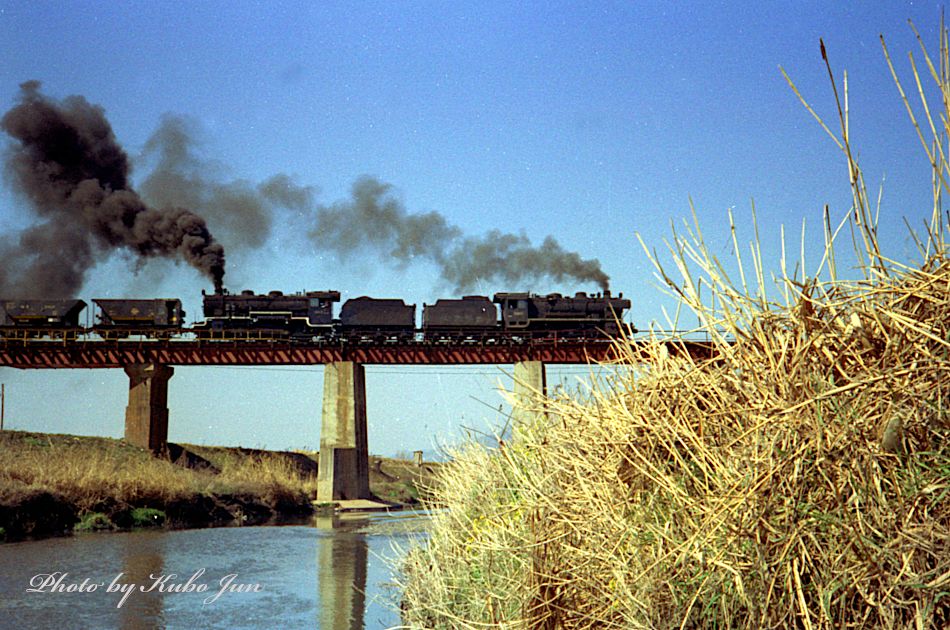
[800,477]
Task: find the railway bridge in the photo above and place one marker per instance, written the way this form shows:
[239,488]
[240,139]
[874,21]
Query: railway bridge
[344,455]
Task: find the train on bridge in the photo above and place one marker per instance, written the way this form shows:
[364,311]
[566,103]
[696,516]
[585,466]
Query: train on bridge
[308,317]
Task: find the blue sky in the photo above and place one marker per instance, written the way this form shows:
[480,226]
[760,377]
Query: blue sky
[589,122]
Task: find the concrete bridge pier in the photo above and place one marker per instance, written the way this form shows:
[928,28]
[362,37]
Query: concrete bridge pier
[344,456]
[146,416]
[530,380]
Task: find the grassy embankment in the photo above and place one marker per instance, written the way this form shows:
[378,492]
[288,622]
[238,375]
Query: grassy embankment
[51,484]
[798,479]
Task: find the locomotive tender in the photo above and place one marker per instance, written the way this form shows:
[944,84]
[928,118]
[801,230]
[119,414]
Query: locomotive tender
[308,317]
[365,319]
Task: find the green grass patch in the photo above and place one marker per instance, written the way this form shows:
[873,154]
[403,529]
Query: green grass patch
[147,517]
[94,522]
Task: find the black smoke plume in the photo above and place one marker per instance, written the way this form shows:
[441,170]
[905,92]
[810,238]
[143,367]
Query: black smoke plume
[242,213]
[67,163]
[373,218]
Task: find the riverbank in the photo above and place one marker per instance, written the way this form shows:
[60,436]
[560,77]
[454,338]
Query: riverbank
[54,484]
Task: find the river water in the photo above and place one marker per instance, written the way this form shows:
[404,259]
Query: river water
[330,573]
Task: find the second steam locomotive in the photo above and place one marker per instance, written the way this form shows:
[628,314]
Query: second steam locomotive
[308,318]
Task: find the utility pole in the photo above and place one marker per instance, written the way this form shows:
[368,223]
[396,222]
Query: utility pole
[3,402]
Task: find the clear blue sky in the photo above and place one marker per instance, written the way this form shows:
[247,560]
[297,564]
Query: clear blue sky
[586,121]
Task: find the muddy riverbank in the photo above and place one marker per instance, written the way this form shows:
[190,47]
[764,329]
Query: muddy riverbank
[55,484]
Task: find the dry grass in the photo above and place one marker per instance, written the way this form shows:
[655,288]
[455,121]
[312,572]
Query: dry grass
[798,478]
[110,478]
[262,473]
[89,472]
[107,479]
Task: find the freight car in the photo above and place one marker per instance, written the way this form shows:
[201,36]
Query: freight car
[366,320]
[160,318]
[302,316]
[38,318]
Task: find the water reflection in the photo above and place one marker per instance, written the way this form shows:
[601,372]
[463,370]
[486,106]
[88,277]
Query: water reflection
[142,562]
[327,574]
[341,559]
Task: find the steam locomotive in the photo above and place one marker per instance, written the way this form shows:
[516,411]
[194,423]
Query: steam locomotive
[308,318]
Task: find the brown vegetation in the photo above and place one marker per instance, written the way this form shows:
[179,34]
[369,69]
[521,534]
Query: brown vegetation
[101,483]
[50,484]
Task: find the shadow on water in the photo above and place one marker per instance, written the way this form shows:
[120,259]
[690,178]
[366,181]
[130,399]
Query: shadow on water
[140,560]
[326,574]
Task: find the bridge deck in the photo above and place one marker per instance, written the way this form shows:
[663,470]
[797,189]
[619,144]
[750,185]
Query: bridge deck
[78,353]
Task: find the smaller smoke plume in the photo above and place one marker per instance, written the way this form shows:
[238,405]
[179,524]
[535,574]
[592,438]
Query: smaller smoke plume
[241,212]
[512,258]
[67,163]
[372,218]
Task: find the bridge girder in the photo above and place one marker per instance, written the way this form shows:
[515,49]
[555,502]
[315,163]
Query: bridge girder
[117,354]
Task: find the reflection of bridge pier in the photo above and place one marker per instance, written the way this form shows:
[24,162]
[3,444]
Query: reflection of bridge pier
[341,562]
[143,561]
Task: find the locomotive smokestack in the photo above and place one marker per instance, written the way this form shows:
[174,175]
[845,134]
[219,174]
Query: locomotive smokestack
[68,164]
[373,219]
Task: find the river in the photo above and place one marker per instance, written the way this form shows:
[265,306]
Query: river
[329,573]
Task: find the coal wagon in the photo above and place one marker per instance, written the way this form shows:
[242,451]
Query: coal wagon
[156,317]
[40,318]
[472,318]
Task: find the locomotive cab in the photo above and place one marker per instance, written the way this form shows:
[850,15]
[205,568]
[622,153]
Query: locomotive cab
[515,311]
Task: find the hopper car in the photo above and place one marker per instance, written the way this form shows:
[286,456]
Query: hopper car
[119,318]
[39,318]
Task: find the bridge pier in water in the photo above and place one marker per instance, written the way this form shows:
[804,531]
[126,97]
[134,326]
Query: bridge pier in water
[344,455]
[146,416]
[530,380]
